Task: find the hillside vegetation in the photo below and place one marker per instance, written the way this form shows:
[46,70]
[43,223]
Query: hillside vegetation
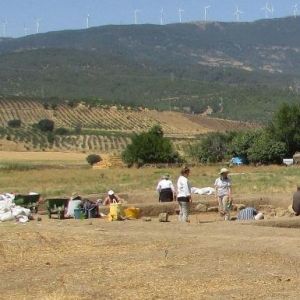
[239,71]
[93,128]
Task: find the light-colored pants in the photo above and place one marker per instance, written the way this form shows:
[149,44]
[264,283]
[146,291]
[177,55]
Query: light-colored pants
[184,211]
[224,210]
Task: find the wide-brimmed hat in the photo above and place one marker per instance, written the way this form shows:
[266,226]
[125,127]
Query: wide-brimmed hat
[110,192]
[224,170]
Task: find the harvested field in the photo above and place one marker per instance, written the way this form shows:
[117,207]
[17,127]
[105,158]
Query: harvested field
[95,259]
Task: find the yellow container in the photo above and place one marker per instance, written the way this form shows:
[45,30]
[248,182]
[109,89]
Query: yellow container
[132,213]
[115,212]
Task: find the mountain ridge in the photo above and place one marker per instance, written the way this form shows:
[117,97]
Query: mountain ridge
[200,64]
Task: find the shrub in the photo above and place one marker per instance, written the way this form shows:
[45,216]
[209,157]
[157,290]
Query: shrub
[50,138]
[266,150]
[93,159]
[15,123]
[61,131]
[285,127]
[150,147]
[46,125]
[212,148]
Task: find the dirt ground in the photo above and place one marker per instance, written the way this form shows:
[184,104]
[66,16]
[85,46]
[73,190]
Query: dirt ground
[95,259]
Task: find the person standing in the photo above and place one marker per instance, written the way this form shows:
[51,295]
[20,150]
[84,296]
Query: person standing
[223,193]
[296,201]
[184,195]
[165,189]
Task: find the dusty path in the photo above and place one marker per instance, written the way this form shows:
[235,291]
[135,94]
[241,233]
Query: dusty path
[148,260]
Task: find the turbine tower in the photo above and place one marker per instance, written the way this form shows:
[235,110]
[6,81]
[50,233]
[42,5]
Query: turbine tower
[4,28]
[206,8]
[136,11]
[180,11]
[162,17]
[295,10]
[237,14]
[25,30]
[88,21]
[37,23]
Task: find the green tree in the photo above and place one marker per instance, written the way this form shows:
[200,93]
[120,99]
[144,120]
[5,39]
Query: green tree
[241,142]
[285,127]
[46,125]
[93,159]
[212,148]
[15,123]
[150,147]
[265,149]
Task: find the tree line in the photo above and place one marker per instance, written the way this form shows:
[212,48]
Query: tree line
[266,145]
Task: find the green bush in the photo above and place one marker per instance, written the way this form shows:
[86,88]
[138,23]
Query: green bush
[212,148]
[46,125]
[61,131]
[15,123]
[93,159]
[265,149]
[150,147]
[285,127]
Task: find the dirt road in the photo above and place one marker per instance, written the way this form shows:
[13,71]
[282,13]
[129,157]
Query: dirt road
[83,259]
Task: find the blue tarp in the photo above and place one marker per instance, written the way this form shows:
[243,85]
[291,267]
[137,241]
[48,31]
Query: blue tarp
[237,161]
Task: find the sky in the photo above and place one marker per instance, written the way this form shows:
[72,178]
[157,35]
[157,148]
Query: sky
[19,17]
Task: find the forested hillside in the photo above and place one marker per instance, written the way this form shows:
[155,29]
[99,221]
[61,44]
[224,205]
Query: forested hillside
[231,70]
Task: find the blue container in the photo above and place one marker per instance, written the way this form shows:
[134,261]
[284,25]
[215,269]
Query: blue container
[77,213]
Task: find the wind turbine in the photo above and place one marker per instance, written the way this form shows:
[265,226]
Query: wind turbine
[295,10]
[136,11]
[88,21]
[37,23]
[237,14]
[180,11]
[4,28]
[271,9]
[162,17]
[206,8]
[25,30]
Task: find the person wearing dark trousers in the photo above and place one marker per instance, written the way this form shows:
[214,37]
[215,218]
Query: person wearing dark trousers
[184,195]
[165,189]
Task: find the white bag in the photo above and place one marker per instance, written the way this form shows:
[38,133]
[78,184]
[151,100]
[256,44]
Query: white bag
[7,216]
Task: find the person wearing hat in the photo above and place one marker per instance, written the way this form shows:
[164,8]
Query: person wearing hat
[112,198]
[223,193]
[165,189]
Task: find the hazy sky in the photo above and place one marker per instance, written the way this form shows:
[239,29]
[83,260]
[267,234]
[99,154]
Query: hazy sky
[71,14]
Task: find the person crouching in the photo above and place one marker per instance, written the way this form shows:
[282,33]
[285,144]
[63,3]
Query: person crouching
[165,189]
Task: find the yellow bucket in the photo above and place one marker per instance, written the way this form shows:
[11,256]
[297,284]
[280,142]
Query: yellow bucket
[132,213]
[115,212]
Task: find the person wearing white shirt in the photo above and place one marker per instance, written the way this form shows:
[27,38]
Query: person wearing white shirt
[184,195]
[165,189]
[223,193]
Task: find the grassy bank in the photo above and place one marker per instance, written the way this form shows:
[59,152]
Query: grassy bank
[57,180]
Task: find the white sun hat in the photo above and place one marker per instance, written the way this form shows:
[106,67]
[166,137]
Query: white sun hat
[224,170]
[110,192]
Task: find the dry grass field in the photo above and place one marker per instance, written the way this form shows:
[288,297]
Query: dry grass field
[206,259]
[94,259]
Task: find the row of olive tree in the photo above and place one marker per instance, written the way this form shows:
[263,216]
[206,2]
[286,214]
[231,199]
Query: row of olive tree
[281,138]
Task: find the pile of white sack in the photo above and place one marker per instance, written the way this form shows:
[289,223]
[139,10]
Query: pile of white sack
[203,191]
[10,211]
